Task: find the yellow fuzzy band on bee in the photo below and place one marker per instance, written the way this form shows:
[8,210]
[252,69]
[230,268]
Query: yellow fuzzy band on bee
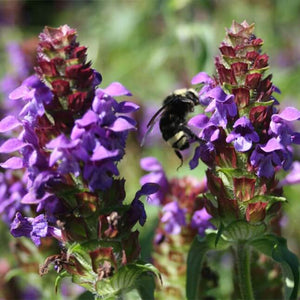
[177,138]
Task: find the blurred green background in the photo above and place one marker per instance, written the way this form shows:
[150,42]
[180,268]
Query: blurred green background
[156,46]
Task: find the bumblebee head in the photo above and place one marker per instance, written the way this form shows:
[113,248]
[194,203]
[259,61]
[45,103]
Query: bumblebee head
[190,94]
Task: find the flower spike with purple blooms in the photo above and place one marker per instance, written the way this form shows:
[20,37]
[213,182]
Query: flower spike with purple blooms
[247,139]
[69,137]
[181,218]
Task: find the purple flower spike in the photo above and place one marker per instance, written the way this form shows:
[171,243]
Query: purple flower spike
[34,228]
[243,135]
[200,221]
[156,175]
[173,217]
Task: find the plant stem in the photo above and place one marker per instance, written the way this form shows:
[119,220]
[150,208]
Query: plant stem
[243,270]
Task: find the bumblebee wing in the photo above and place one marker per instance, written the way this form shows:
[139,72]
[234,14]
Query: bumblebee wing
[154,119]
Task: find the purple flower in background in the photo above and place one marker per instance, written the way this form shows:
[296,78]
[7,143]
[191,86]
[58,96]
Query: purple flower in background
[200,221]
[173,217]
[243,135]
[293,177]
[34,228]
[12,190]
[31,293]
[19,69]
[281,123]
[156,175]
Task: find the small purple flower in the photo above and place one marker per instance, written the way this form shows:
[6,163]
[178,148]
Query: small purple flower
[156,175]
[200,221]
[208,84]
[173,217]
[35,93]
[34,228]
[137,211]
[222,106]
[243,135]
[266,158]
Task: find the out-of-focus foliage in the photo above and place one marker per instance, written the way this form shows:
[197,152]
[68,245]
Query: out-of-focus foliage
[154,47]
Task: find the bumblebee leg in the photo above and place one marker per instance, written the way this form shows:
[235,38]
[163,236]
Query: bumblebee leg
[180,157]
[191,134]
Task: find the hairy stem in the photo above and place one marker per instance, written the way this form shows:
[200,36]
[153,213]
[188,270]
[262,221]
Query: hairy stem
[243,270]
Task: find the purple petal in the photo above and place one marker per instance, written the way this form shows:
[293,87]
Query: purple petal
[241,144]
[150,164]
[62,142]
[199,121]
[101,153]
[218,94]
[293,177]
[149,188]
[121,124]
[19,92]
[54,157]
[127,107]
[288,114]
[201,77]
[11,145]
[116,89]
[9,123]
[195,160]
[272,145]
[13,163]
[88,118]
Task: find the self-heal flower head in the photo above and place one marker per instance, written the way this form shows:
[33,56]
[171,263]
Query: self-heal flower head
[243,135]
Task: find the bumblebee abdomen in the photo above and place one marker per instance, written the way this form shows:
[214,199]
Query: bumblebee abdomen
[179,141]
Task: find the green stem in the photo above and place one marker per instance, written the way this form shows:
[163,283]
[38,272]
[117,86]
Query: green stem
[243,270]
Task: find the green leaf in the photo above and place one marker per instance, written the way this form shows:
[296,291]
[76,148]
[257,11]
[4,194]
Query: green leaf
[276,247]
[127,278]
[243,231]
[197,252]
[146,287]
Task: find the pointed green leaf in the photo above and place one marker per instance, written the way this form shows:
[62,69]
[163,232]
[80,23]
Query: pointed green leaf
[197,252]
[276,248]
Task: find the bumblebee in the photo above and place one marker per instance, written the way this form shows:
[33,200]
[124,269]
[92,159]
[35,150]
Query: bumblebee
[172,121]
